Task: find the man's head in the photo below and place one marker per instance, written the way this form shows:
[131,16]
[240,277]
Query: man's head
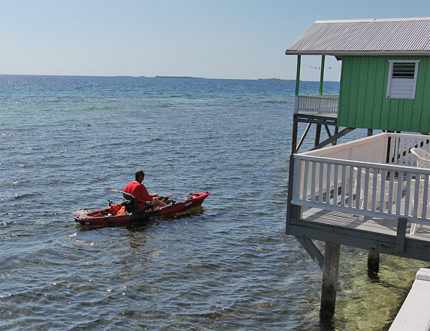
[139,175]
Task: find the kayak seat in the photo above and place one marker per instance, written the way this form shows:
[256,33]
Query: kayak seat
[148,206]
[129,202]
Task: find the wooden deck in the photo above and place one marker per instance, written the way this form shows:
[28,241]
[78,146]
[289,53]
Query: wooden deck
[365,193]
[384,235]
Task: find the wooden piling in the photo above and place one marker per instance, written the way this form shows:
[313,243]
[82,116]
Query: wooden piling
[329,282]
[372,263]
[317,135]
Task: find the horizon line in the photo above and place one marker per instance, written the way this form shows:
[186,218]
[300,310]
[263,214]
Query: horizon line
[163,77]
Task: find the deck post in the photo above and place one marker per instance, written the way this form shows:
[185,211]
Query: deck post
[336,131]
[322,74]
[299,63]
[372,263]
[329,282]
[295,123]
[317,135]
[401,233]
[294,137]
[372,255]
[293,211]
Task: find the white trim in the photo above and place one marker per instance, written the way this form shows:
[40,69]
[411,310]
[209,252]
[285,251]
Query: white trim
[408,94]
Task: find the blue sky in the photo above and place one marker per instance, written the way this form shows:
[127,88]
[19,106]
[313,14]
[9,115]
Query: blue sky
[199,38]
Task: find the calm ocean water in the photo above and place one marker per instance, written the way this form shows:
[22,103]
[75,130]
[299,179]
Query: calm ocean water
[65,140]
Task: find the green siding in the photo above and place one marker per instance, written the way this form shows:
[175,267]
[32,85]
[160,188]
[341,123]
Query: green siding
[424,90]
[363,102]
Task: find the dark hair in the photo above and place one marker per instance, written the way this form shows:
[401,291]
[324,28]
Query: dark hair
[138,173]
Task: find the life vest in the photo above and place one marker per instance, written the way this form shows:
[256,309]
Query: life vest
[117,209]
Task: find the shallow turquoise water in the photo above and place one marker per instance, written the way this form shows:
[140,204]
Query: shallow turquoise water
[64,140]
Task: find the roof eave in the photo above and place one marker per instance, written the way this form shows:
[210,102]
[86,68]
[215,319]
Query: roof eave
[341,53]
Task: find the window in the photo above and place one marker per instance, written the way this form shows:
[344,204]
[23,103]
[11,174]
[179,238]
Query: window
[402,79]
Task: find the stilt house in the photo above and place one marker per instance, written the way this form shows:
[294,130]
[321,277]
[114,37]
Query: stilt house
[371,193]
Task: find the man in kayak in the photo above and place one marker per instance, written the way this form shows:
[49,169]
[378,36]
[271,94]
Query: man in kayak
[139,191]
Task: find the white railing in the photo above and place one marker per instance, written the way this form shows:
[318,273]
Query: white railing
[374,176]
[316,103]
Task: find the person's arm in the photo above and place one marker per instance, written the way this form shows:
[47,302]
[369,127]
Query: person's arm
[143,195]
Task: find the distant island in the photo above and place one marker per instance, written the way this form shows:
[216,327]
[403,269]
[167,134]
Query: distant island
[189,77]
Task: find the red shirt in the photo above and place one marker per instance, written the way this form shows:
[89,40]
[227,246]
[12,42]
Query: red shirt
[139,191]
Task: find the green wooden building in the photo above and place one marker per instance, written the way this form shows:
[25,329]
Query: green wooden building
[369,193]
[385,77]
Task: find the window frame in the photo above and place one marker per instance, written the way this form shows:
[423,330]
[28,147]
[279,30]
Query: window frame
[390,79]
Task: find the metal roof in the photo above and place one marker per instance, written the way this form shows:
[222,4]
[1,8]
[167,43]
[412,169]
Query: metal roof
[395,36]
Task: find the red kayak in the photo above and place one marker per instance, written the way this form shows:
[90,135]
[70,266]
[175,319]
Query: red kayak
[116,215]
